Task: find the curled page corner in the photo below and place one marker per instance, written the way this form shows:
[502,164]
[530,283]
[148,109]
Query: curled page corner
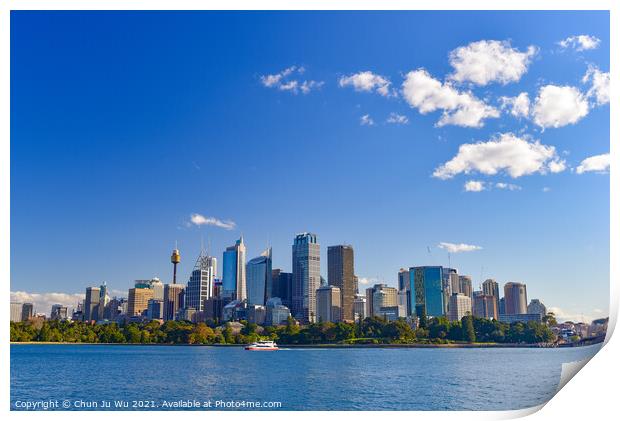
[569,370]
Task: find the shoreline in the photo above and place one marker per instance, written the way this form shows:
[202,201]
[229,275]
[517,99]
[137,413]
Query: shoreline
[331,346]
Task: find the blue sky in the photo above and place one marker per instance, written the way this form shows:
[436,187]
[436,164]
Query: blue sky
[125,124]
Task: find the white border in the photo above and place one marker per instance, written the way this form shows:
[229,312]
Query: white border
[593,395]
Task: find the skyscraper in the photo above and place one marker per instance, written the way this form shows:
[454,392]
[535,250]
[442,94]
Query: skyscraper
[27,311]
[485,306]
[427,297]
[282,286]
[91,303]
[200,285]
[16,312]
[515,295]
[306,276]
[359,308]
[259,279]
[104,299]
[328,299]
[404,288]
[465,285]
[173,300]
[341,273]
[59,312]
[233,279]
[380,295]
[138,300]
[490,287]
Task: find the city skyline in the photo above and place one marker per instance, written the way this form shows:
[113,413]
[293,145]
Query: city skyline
[133,160]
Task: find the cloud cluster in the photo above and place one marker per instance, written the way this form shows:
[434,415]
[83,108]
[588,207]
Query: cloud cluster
[368,82]
[458,248]
[43,301]
[507,153]
[284,81]
[596,163]
[395,118]
[478,186]
[428,94]
[366,120]
[557,106]
[580,42]
[600,85]
[488,61]
[198,220]
[518,106]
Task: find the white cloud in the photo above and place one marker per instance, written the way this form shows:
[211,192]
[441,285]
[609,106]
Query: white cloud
[580,42]
[283,81]
[474,186]
[564,316]
[368,82]
[600,85]
[507,186]
[198,219]
[546,189]
[596,163]
[428,94]
[483,62]
[395,118]
[557,106]
[43,301]
[365,281]
[505,153]
[366,120]
[519,105]
[458,248]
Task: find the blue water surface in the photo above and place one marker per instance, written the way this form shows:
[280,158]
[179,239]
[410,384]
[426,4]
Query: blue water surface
[300,379]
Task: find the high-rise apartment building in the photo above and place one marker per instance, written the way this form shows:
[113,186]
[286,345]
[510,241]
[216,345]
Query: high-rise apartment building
[485,306]
[515,295]
[233,277]
[306,276]
[460,306]
[328,299]
[465,285]
[341,273]
[259,279]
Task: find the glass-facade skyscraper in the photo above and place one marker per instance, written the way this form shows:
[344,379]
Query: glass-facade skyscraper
[259,279]
[233,275]
[200,285]
[427,297]
[306,276]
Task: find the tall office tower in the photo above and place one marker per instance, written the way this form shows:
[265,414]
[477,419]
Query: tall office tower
[515,295]
[359,308]
[200,285]
[460,306]
[27,311]
[328,299]
[380,295]
[484,306]
[113,309]
[104,299]
[59,312]
[259,279]
[341,273]
[138,300]
[502,306]
[465,285]
[282,286]
[175,259]
[306,276]
[173,300]
[91,303]
[158,288]
[233,279]
[404,288]
[536,307]
[16,312]
[427,296]
[447,284]
[155,309]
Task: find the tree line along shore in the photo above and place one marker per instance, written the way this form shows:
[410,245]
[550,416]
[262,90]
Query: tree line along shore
[370,331]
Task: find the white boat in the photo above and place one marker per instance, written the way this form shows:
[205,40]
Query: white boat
[262,346]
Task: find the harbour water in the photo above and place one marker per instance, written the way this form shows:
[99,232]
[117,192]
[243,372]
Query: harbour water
[297,379]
